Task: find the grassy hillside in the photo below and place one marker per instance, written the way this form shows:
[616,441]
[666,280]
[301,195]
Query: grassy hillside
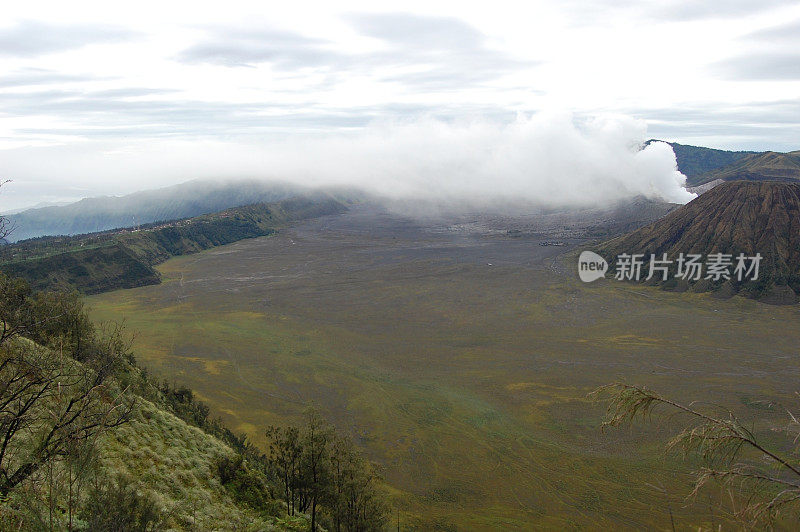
[166,461]
[124,259]
[175,465]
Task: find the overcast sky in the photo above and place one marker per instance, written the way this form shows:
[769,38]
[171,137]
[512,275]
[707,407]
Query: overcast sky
[83,82]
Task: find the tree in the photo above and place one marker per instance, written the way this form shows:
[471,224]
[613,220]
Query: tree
[341,461]
[52,497]
[766,475]
[315,460]
[48,403]
[325,475]
[6,226]
[284,456]
[57,318]
[15,307]
[356,503]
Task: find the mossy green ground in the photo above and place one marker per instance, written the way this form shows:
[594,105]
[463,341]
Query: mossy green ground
[466,378]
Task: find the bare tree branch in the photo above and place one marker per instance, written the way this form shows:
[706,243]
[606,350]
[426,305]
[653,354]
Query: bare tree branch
[719,440]
[6,225]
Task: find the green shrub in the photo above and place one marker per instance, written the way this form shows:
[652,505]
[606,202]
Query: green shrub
[247,486]
[118,507]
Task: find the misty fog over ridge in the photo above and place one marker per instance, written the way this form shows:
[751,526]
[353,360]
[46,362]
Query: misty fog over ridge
[548,159]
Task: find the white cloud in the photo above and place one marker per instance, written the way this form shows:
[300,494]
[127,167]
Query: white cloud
[547,159]
[94,76]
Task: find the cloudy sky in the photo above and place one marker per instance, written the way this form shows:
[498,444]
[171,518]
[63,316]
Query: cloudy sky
[94,96]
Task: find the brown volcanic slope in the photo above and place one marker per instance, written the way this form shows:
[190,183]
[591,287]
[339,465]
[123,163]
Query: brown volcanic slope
[759,167]
[736,217]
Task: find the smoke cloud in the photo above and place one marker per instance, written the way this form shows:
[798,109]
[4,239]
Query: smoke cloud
[547,160]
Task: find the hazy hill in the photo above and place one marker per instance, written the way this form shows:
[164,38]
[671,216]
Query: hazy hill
[760,166]
[696,161]
[184,200]
[703,165]
[736,217]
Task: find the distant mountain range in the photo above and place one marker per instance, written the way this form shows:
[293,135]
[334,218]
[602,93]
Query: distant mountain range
[748,217]
[704,165]
[40,205]
[185,200]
